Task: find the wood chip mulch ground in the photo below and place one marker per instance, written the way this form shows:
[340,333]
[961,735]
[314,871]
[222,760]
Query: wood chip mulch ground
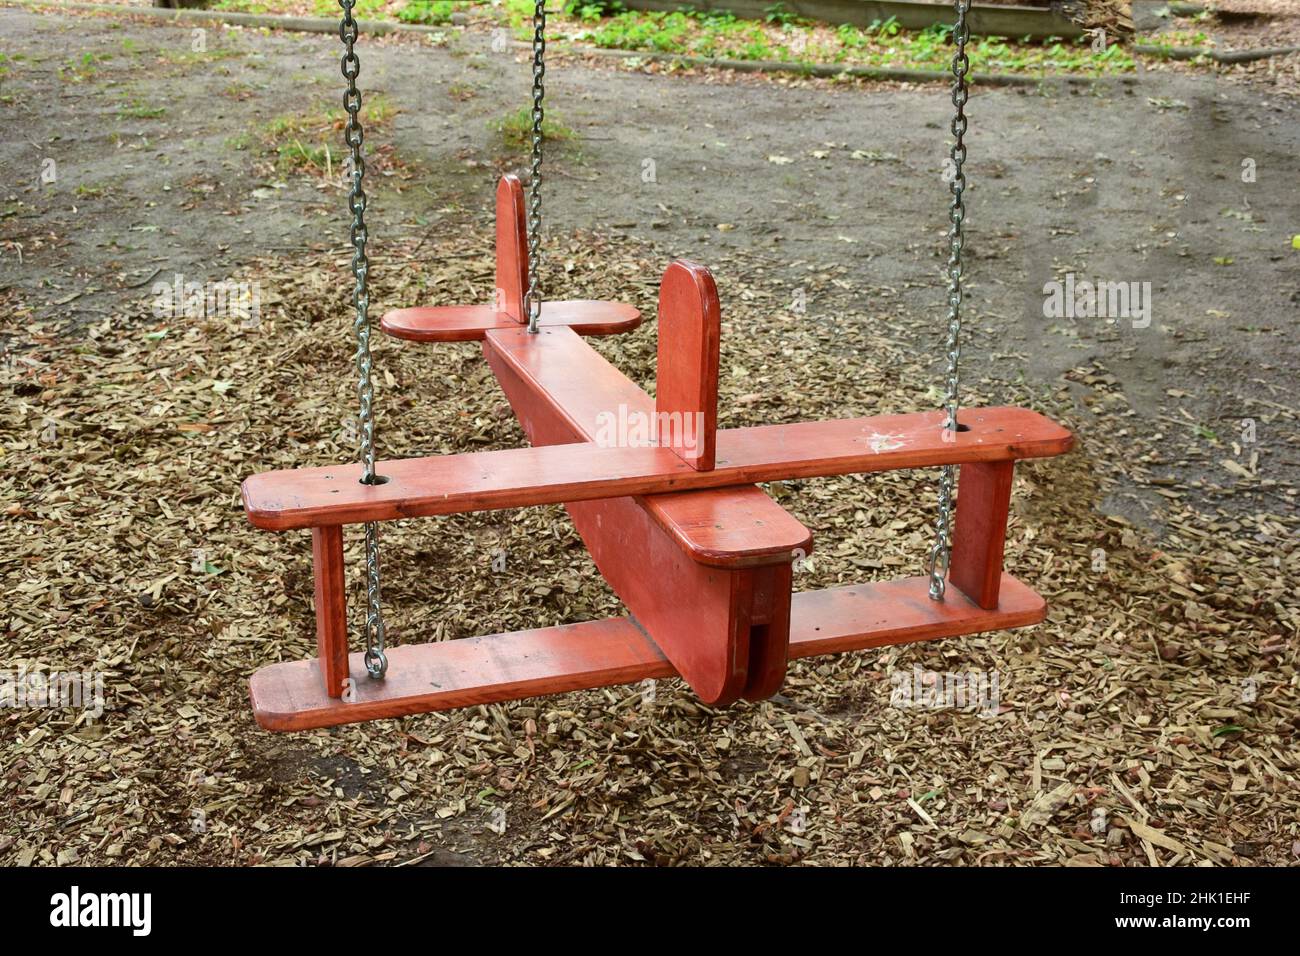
[1152,720]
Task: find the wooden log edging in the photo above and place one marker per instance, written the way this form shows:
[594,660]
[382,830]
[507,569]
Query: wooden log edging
[1002,21]
[1218,56]
[831,70]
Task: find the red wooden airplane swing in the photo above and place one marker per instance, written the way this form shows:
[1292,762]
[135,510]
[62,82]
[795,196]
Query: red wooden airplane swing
[700,557]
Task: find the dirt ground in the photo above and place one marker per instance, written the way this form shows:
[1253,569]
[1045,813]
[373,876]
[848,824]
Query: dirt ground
[1162,692]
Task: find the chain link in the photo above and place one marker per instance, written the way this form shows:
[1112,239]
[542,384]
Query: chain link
[533,298]
[375,658]
[941,551]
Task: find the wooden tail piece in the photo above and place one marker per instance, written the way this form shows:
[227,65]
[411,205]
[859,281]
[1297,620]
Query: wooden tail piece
[512,248]
[686,393]
[469,323]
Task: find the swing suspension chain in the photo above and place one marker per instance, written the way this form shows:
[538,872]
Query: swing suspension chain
[941,552]
[375,658]
[533,298]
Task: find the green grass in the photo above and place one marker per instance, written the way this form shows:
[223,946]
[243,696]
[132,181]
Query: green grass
[137,110]
[590,11]
[516,128]
[294,155]
[883,44]
[785,37]
[364,9]
[1173,38]
[313,142]
[660,32]
[83,68]
[1165,42]
[432,12]
[781,15]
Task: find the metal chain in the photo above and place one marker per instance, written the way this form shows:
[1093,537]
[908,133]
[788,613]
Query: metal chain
[533,298]
[941,552]
[375,658]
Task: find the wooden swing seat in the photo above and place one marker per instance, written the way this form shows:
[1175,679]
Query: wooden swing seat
[701,558]
[552,660]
